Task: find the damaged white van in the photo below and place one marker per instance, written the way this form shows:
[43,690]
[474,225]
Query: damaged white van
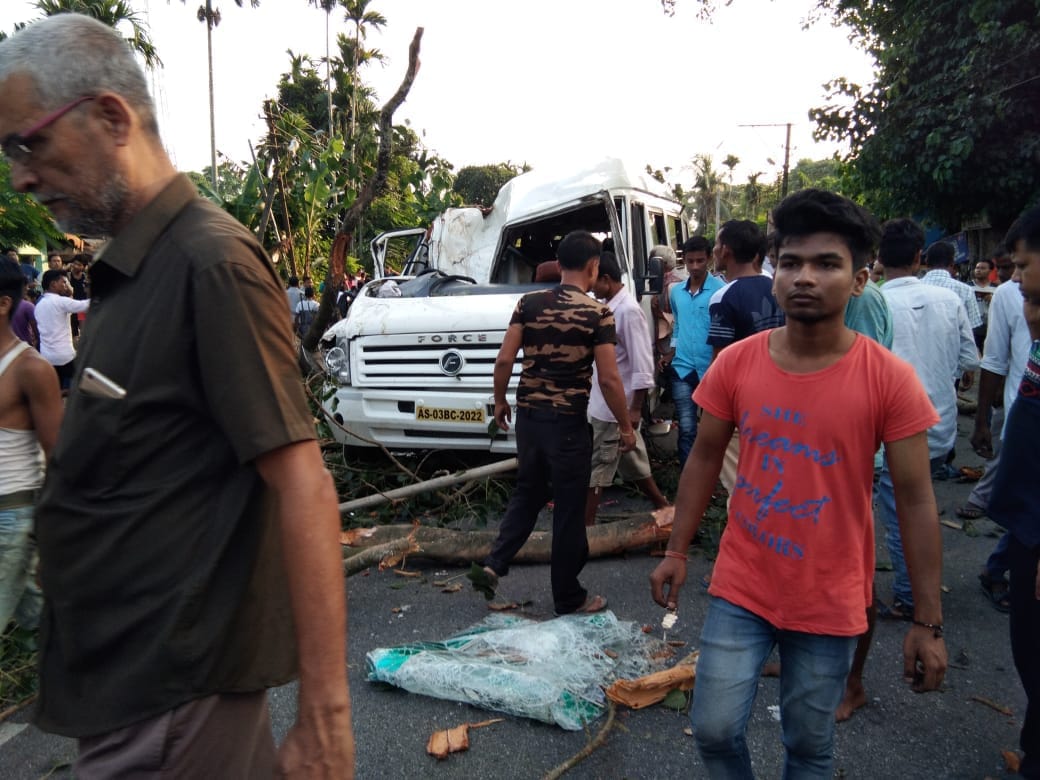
[411,365]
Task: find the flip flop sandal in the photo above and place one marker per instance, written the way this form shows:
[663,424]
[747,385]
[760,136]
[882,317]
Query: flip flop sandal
[996,590]
[969,512]
[592,605]
[896,611]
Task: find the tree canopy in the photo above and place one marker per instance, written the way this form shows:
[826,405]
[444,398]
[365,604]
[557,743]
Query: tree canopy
[478,185]
[951,127]
[22,219]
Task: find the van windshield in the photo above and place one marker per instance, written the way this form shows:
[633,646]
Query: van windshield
[526,245]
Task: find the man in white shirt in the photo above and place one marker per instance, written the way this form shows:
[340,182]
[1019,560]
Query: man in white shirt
[931,331]
[52,320]
[635,362]
[939,261]
[294,294]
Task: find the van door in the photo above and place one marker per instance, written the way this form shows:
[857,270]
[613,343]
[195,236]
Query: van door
[406,249]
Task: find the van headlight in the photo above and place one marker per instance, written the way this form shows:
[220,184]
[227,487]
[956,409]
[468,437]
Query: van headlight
[337,365]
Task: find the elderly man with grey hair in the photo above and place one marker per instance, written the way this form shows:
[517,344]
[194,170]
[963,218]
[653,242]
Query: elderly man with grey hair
[660,306]
[188,529]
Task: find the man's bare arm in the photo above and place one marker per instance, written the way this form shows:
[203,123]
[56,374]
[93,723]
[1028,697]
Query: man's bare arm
[321,743]
[922,545]
[696,484]
[982,436]
[503,371]
[40,386]
[614,392]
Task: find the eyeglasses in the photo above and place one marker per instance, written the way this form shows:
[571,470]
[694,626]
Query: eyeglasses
[17,147]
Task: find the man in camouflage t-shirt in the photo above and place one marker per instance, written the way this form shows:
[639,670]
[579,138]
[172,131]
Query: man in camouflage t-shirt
[562,332]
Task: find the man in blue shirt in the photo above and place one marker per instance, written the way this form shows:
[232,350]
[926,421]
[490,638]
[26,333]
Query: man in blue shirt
[691,353]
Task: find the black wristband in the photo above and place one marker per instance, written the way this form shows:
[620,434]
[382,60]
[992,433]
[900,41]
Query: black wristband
[937,628]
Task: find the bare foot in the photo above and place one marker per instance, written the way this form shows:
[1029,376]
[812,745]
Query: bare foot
[855,697]
[771,669]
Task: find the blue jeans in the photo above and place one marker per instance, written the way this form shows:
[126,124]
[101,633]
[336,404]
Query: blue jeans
[20,597]
[686,411]
[884,495]
[735,644]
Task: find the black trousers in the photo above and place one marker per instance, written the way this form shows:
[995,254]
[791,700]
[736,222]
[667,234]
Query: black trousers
[1025,647]
[554,453]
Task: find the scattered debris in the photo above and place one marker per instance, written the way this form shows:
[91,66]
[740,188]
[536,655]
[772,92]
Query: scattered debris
[455,740]
[664,517]
[993,705]
[774,710]
[676,700]
[406,573]
[559,771]
[688,731]
[952,524]
[652,688]
[483,581]
[944,588]
[455,587]
[1012,762]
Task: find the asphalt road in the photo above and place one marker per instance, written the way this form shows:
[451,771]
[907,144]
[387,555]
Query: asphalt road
[950,734]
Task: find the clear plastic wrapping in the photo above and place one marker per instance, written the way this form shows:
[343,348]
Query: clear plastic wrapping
[553,671]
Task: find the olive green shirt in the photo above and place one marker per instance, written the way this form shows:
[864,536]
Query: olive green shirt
[159,551]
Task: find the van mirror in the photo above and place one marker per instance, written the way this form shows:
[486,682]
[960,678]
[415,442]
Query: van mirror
[654,275]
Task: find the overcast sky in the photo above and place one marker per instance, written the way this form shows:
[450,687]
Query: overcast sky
[539,81]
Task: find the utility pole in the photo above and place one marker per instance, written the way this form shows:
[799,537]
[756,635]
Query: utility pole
[787,153]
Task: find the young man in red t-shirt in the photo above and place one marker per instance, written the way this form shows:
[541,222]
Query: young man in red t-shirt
[811,401]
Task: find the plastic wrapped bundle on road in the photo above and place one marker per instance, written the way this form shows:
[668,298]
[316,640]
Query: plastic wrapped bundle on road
[553,671]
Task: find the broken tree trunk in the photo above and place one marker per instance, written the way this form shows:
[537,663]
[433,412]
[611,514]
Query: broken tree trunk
[430,484]
[373,188]
[449,546]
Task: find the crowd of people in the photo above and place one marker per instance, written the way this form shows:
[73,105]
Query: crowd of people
[773,343]
[187,529]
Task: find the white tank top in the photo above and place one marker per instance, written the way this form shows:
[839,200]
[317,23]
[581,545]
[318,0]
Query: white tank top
[21,458]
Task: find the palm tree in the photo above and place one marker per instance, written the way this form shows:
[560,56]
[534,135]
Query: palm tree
[327,6]
[707,196]
[211,16]
[363,19]
[114,13]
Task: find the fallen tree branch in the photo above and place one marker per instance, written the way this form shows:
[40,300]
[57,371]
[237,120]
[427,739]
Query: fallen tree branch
[430,484]
[372,189]
[4,715]
[588,750]
[373,556]
[446,545]
[333,421]
[992,705]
